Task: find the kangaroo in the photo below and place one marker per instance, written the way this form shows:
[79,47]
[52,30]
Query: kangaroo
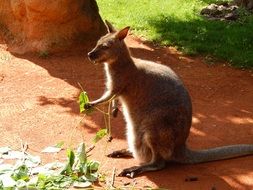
[156,106]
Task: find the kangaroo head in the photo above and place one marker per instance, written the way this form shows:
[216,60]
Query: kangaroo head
[108,47]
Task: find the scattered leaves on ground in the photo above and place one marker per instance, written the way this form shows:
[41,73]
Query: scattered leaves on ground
[78,171]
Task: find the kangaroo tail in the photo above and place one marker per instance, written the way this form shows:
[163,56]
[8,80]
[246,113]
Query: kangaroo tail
[214,154]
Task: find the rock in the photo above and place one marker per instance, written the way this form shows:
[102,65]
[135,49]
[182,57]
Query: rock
[231,16]
[221,8]
[212,7]
[36,26]
[233,7]
[222,11]
[210,10]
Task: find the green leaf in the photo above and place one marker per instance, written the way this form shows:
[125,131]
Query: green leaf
[71,159]
[1,185]
[21,173]
[7,181]
[83,100]
[54,182]
[53,165]
[99,135]
[81,153]
[102,178]
[41,181]
[48,169]
[32,161]
[59,144]
[82,184]
[14,155]
[92,177]
[20,183]
[93,165]
[82,169]
[4,150]
[54,149]
[31,184]
[5,168]
[51,149]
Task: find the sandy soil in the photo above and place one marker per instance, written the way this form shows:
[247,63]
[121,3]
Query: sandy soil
[38,105]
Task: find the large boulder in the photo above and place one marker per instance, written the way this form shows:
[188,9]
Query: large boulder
[227,10]
[36,25]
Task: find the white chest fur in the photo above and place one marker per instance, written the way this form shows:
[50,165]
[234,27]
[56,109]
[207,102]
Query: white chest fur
[130,129]
[129,123]
[108,77]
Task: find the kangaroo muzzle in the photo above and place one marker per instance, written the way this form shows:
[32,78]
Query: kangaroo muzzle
[93,56]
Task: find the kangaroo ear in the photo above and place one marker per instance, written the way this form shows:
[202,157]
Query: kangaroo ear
[109,27]
[122,33]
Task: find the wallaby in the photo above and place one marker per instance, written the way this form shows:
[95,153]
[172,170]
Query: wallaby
[156,106]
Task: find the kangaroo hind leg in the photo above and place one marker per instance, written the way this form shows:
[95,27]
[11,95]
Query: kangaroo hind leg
[150,155]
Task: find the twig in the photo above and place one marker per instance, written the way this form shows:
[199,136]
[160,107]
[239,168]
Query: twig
[109,119]
[100,110]
[106,121]
[80,86]
[24,146]
[113,178]
[89,149]
[74,130]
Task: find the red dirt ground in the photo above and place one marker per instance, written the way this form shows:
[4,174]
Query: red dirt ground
[38,105]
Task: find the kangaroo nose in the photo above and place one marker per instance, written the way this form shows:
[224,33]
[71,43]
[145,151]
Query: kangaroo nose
[92,54]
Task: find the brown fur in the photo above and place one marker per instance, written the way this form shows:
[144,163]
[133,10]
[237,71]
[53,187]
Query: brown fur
[156,106]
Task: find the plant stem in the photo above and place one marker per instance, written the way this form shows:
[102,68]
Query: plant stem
[109,119]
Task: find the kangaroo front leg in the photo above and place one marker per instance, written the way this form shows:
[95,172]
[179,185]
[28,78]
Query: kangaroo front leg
[108,95]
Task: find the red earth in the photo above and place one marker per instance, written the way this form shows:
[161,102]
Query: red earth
[39,106]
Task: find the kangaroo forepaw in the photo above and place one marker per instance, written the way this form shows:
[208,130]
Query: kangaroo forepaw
[115,112]
[88,106]
[131,172]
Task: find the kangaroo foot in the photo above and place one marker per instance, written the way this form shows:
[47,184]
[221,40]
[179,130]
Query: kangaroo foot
[133,171]
[120,154]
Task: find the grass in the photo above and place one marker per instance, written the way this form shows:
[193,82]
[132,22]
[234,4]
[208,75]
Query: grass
[178,23]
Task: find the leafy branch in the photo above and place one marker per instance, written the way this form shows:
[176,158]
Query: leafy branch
[83,102]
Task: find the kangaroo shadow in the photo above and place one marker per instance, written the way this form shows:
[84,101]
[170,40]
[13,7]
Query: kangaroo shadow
[74,68]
